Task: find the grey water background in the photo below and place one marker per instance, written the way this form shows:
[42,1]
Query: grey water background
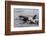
[27,12]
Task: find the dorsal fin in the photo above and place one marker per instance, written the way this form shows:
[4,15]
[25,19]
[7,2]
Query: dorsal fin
[34,17]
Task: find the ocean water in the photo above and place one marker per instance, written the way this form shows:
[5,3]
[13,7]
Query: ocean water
[19,23]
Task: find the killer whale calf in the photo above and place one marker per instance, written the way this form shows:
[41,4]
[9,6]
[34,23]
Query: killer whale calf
[25,19]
